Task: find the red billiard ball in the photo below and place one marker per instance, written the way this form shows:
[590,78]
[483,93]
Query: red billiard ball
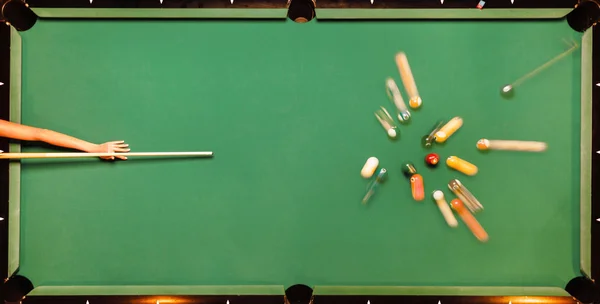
[432,159]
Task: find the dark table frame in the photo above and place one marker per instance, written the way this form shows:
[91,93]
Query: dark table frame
[583,287]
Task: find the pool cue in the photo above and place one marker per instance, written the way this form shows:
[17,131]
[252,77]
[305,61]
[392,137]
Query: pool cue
[85,155]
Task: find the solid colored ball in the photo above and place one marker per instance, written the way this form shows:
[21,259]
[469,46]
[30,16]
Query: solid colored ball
[457,204]
[408,169]
[432,159]
[507,91]
[427,141]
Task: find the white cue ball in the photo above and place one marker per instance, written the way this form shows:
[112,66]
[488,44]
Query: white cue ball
[438,195]
[391,133]
[507,88]
[369,168]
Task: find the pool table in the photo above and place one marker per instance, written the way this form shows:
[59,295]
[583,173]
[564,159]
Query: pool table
[288,110]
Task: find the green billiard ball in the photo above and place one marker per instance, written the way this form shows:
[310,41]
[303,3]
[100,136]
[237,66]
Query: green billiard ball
[408,169]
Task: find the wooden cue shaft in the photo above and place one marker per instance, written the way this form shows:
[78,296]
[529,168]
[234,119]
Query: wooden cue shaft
[84,155]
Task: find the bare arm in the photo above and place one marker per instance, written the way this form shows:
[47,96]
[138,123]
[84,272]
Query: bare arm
[22,132]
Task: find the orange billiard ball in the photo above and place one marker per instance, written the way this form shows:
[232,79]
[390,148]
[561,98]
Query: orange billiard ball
[432,159]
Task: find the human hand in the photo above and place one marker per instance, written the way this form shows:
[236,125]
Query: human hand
[112,147]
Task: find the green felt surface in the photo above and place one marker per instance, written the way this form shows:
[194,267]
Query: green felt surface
[288,110]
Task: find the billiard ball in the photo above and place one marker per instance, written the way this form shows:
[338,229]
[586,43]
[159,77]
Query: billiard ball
[507,91]
[432,159]
[370,167]
[408,169]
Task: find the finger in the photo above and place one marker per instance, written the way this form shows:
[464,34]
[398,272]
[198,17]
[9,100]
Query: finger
[122,157]
[116,142]
[119,150]
[122,145]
